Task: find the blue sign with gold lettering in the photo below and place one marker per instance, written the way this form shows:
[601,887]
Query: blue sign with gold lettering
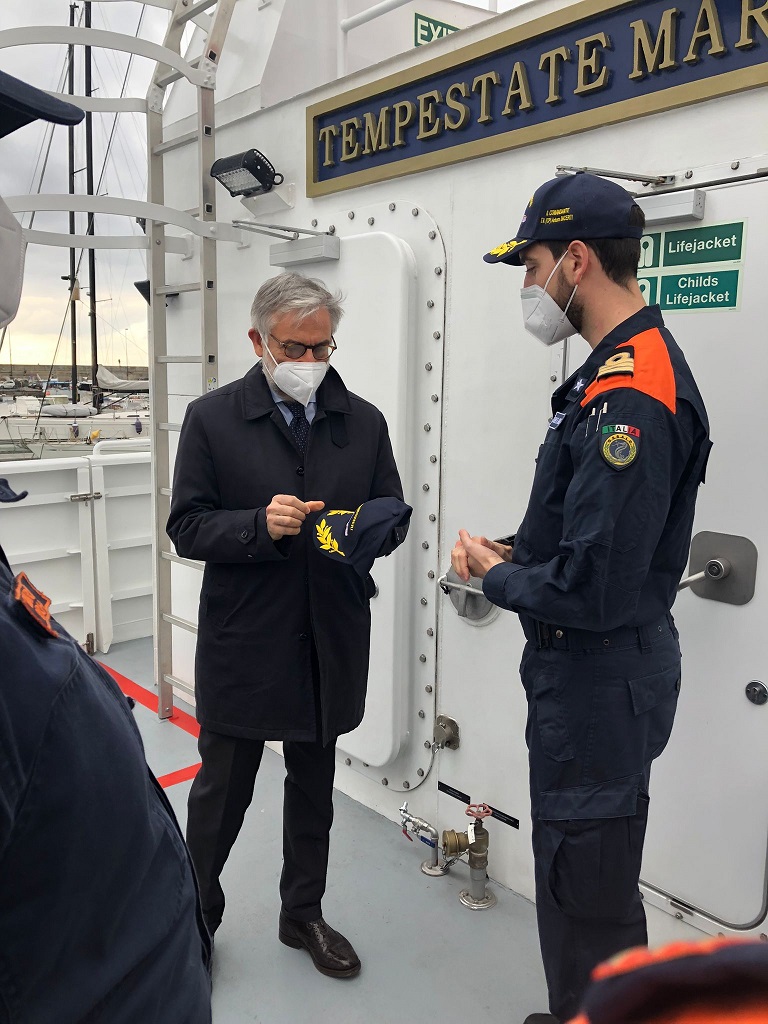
[593,64]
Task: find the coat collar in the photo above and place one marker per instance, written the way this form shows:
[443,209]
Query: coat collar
[332,395]
[573,388]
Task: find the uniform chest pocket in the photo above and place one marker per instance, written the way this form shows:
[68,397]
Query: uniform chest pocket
[549,451]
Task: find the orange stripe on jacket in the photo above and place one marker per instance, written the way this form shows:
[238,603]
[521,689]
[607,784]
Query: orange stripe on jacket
[653,371]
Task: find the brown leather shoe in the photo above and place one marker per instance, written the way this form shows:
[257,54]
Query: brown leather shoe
[331,953]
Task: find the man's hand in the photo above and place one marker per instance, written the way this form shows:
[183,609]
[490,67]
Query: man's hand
[474,556]
[286,513]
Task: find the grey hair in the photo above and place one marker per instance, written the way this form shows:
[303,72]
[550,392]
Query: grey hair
[293,293]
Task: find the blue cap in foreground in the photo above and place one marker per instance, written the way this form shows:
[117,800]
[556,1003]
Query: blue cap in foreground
[8,494]
[20,104]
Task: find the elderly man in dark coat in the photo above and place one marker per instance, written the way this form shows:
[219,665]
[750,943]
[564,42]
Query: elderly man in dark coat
[284,631]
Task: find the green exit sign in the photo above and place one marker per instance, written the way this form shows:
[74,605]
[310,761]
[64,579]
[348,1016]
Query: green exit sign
[719,243]
[426,30]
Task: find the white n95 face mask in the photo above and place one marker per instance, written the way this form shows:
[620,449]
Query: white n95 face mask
[12,251]
[298,380]
[542,317]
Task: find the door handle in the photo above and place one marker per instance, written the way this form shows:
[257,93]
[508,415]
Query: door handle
[715,569]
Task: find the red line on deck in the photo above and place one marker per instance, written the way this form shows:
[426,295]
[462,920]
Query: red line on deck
[179,718]
[182,775]
[149,700]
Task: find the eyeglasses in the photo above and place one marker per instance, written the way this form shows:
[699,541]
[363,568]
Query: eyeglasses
[296,349]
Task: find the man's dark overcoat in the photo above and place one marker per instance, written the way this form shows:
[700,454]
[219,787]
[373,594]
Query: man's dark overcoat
[263,603]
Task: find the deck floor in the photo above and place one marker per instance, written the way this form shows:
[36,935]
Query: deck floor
[424,955]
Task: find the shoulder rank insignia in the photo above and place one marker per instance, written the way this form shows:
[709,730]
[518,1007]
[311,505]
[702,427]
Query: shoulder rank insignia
[34,602]
[621,363]
[619,444]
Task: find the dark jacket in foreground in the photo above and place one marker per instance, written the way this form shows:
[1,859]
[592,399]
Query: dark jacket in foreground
[99,916]
[263,602]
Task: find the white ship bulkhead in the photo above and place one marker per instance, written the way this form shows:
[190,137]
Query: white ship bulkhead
[434,337]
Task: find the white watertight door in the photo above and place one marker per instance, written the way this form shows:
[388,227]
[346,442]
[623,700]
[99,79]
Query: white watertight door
[705,853]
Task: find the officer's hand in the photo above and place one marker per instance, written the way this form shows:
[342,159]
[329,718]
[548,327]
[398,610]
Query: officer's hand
[286,513]
[502,550]
[474,556]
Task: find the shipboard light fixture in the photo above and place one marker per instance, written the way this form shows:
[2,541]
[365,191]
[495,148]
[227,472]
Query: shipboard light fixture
[246,174]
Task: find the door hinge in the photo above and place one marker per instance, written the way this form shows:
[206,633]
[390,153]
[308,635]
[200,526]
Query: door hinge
[446,733]
[89,645]
[86,497]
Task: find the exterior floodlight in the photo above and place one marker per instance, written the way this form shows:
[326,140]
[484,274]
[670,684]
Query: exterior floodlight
[246,174]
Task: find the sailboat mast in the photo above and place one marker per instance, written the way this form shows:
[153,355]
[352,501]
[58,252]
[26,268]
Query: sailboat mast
[72,264]
[89,188]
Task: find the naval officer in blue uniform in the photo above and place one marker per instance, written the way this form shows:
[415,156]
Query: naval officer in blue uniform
[593,570]
[99,914]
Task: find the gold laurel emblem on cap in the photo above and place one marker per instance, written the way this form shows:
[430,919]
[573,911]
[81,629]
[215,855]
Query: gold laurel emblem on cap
[619,450]
[327,540]
[506,247]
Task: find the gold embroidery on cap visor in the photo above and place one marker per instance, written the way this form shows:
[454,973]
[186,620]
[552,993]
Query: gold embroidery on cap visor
[619,450]
[507,247]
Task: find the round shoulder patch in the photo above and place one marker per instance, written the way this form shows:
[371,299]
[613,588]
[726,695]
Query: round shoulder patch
[619,449]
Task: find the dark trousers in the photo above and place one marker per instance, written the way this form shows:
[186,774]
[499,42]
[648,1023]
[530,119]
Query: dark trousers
[597,717]
[219,798]
[588,904]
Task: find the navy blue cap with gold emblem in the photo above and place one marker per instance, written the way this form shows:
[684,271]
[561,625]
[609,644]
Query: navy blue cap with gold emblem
[356,537]
[574,206]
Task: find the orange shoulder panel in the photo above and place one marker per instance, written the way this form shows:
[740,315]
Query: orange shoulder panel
[748,1011]
[641,956]
[653,373]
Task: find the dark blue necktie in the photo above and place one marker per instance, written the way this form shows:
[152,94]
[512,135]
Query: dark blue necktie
[299,425]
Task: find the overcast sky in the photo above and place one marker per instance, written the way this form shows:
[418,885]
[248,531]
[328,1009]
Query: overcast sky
[40,332]
[121,312]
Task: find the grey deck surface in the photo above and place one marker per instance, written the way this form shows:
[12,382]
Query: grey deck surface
[424,955]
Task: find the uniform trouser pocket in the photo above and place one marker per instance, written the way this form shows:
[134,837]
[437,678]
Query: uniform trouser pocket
[587,899]
[591,866]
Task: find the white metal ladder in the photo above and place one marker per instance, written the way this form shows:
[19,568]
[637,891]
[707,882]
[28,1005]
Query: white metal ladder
[207,355]
[213,18]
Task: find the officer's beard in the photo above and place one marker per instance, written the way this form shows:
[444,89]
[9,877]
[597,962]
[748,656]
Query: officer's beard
[562,295]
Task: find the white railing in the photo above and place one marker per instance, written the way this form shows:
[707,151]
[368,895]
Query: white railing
[84,537]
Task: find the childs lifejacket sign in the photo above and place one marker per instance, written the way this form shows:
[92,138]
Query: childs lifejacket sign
[593,64]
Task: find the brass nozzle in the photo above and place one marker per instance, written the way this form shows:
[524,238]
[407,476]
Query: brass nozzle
[454,843]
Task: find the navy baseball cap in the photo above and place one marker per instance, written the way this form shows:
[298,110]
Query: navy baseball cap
[356,538]
[8,494]
[20,104]
[574,206]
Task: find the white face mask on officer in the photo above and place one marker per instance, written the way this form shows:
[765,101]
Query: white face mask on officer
[542,317]
[12,252]
[298,380]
